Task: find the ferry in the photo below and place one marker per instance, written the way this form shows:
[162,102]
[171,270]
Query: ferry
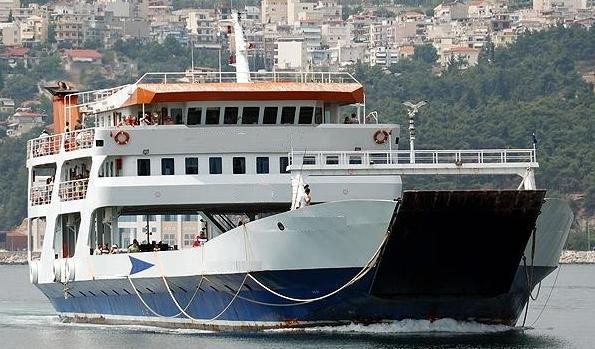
[305,220]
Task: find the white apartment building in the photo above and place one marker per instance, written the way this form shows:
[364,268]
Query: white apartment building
[202,27]
[290,54]
[333,32]
[571,6]
[34,29]
[383,56]
[381,34]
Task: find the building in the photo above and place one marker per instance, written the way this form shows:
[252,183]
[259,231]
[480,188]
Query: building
[34,29]
[469,55]
[23,121]
[6,8]
[10,34]
[202,27]
[383,56]
[174,230]
[6,105]
[290,54]
[273,11]
[68,29]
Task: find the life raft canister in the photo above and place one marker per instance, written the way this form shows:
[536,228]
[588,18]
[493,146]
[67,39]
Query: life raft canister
[122,137]
[380,136]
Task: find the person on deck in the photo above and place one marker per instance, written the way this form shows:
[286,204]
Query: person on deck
[134,247]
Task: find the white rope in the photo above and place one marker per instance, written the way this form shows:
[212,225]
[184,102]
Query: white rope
[145,304]
[356,278]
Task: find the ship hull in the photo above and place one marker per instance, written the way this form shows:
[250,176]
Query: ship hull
[370,287]
[354,305]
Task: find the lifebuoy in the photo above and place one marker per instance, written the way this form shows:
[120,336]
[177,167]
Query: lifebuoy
[380,136]
[122,137]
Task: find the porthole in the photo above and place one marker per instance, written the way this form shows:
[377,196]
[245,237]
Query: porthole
[280,226]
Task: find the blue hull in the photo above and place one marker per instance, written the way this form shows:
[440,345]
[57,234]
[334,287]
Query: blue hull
[117,298]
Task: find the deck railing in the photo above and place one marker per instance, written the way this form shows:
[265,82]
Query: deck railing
[42,146]
[79,139]
[41,194]
[73,190]
[210,77]
[69,141]
[370,159]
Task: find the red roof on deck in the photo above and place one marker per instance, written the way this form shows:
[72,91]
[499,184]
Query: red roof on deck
[92,54]
[15,51]
[343,93]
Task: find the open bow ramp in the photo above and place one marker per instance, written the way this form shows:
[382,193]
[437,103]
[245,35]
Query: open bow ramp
[456,243]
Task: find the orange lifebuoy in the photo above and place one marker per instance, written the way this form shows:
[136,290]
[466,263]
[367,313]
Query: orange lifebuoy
[380,136]
[122,137]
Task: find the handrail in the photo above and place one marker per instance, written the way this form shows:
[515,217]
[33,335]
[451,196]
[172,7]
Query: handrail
[370,158]
[42,146]
[216,76]
[54,144]
[41,194]
[73,190]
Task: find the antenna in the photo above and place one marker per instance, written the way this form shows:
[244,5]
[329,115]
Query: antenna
[413,109]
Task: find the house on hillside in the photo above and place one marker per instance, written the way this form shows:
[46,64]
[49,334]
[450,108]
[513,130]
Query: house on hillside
[23,121]
[6,105]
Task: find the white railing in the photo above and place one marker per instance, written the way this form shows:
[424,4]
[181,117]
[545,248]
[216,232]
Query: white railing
[69,141]
[79,139]
[44,146]
[372,159]
[41,194]
[73,190]
[209,77]
[86,98]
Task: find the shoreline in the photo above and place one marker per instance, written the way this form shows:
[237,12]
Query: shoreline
[567,257]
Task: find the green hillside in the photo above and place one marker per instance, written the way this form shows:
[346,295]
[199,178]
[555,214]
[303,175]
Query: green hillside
[532,86]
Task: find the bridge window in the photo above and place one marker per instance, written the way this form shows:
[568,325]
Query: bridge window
[305,117]
[309,160]
[262,165]
[318,115]
[230,116]
[332,159]
[270,115]
[212,116]
[143,167]
[195,116]
[191,166]
[176,115]
[215,165]
[167,166]
[288,115]
[283,163]
[250,115]
[239,165]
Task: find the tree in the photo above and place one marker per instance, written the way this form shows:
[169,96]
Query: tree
[20,87]
[425,53]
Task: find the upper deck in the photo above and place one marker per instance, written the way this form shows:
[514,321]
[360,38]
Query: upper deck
[175,87]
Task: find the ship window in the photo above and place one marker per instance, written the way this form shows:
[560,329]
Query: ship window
[283,163]
[195,116]
[215,165]
[355,159]
[318,115]
[176,115]
[212,117]
[191,166]
[309,160]
[305,117]
[288,115]
[230,115]
[169,218]
[250,115]
[239,165]
[332,159]
[270,115]
[262,164]
[167,166]
[143,167]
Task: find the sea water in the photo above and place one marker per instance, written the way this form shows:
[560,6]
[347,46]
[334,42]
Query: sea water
[562,317]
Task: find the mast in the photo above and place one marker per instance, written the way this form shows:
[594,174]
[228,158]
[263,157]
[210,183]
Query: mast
[241,64]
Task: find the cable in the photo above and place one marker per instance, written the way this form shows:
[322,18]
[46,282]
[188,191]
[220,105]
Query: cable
[548,296]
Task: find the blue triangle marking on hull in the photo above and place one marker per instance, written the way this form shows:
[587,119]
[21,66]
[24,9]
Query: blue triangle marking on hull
[138,265]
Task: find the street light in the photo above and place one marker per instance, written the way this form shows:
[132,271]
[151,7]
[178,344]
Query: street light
[413,109]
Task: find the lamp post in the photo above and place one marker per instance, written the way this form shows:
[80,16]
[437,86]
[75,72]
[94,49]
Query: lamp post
[413,109]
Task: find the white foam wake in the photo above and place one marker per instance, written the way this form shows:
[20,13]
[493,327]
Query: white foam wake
[410,327]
